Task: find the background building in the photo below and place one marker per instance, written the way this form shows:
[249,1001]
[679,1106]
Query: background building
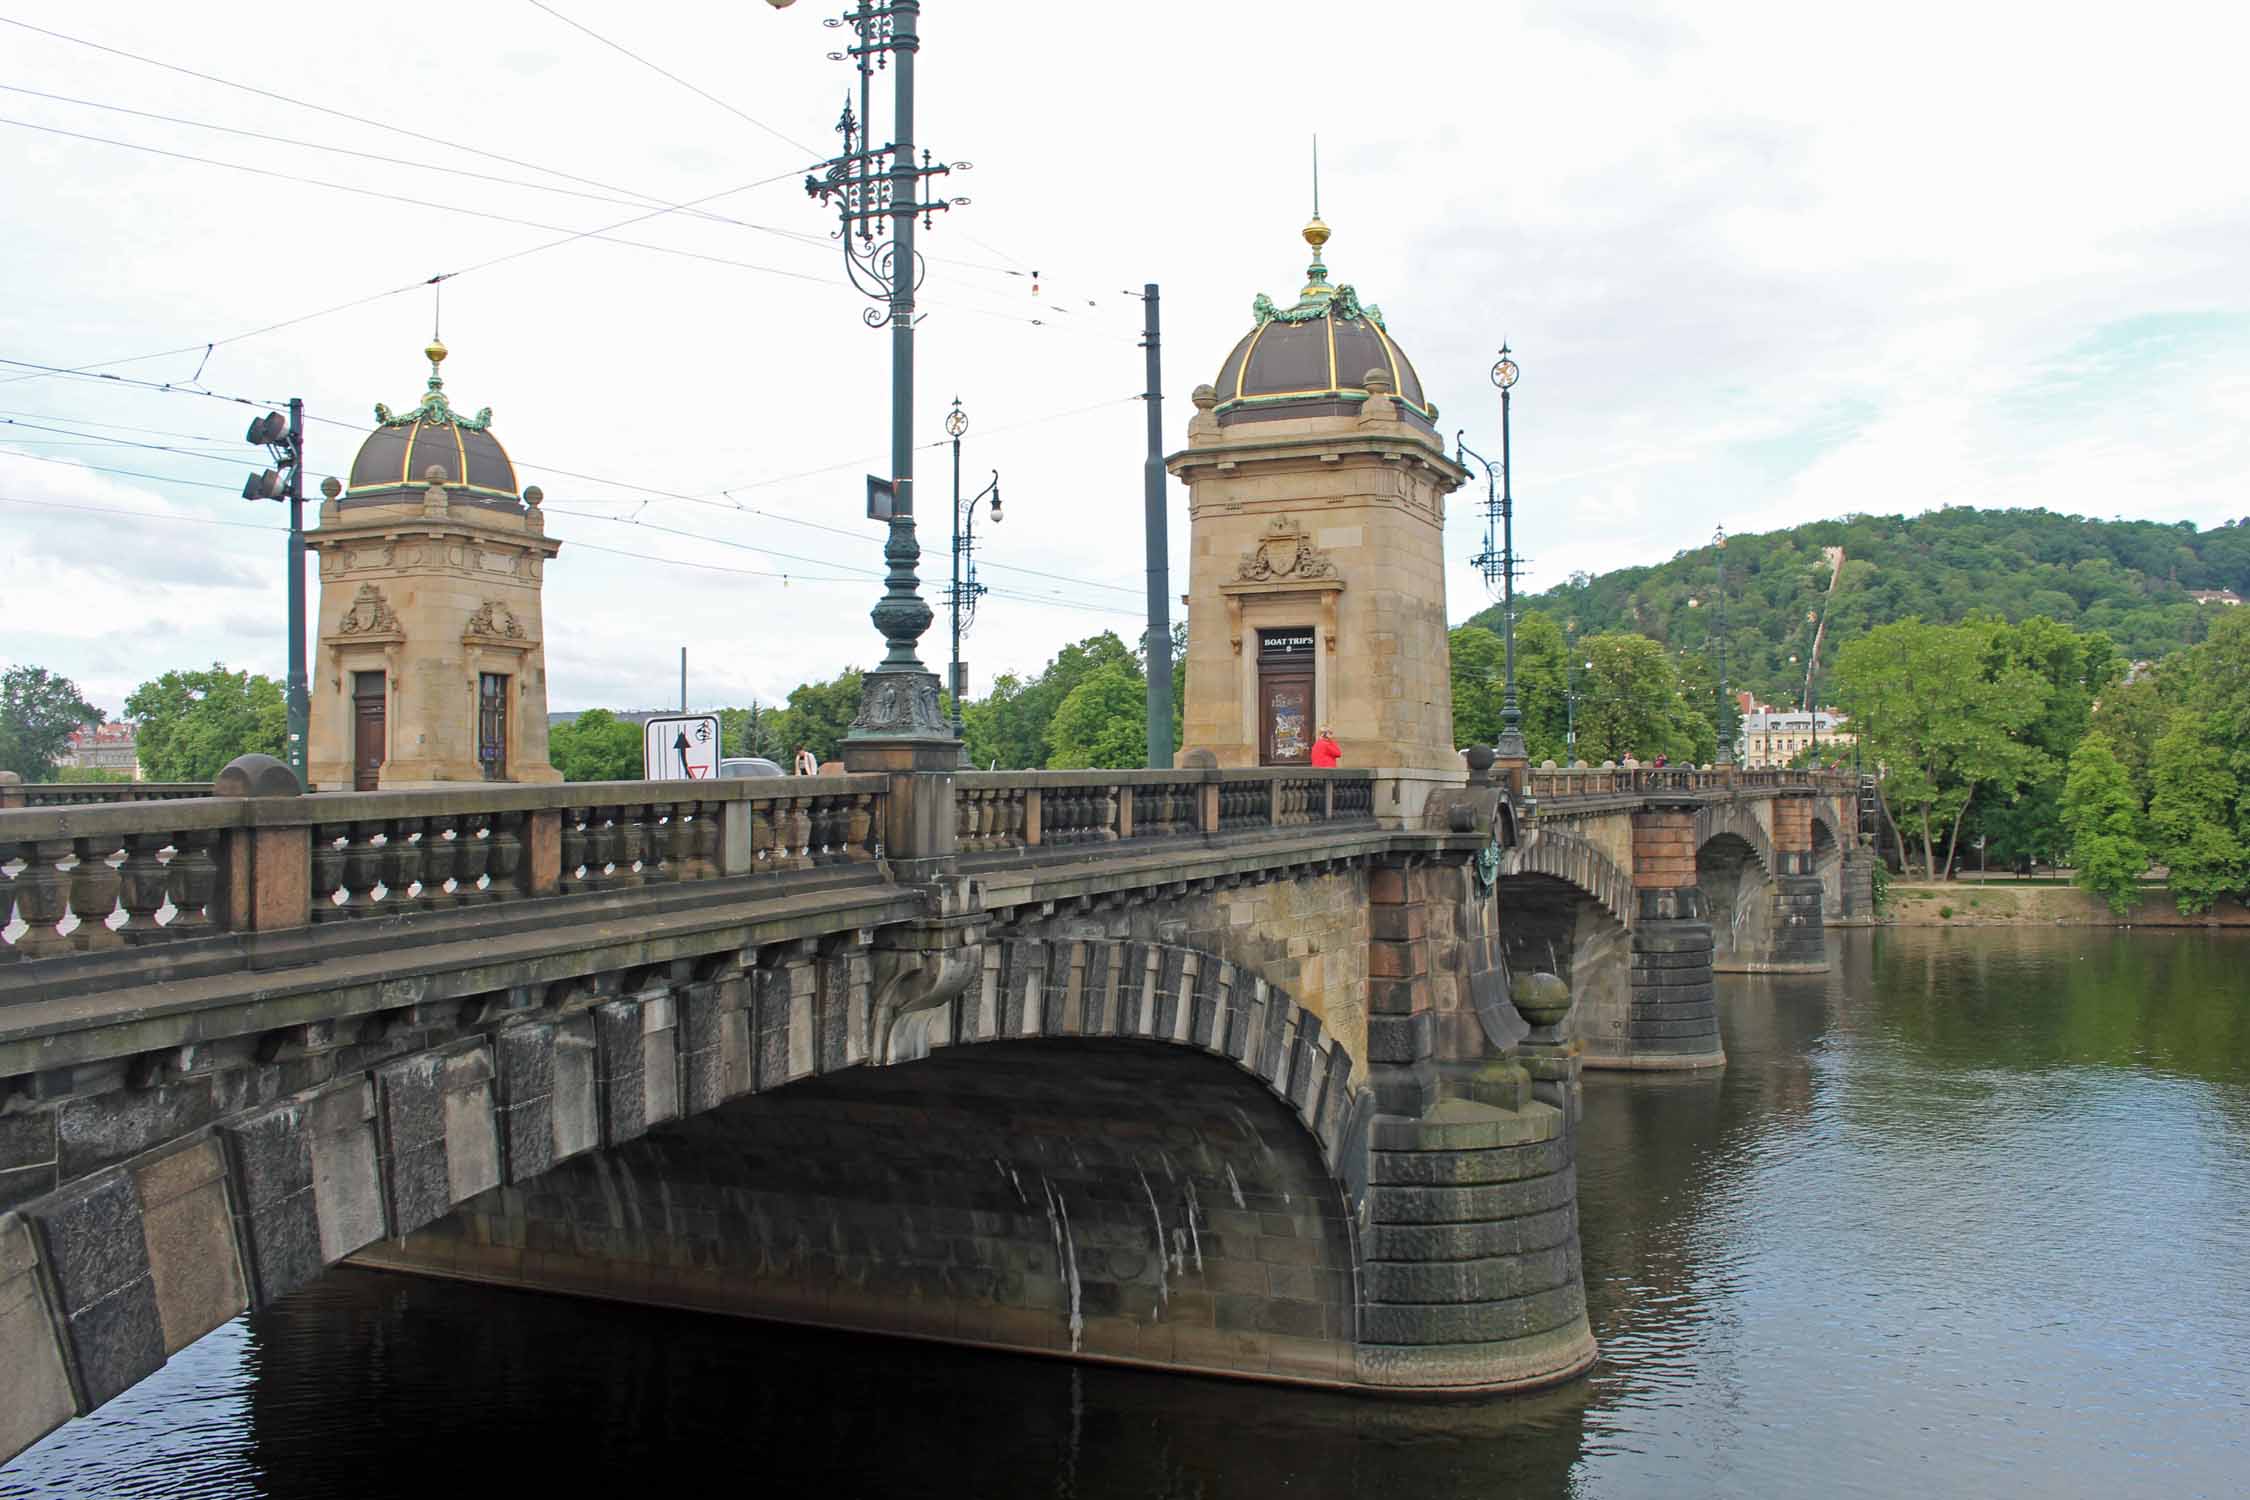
[1770,736]
[103,747]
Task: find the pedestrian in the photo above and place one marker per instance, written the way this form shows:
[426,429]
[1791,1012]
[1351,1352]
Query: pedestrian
[1325,751]
[806,765]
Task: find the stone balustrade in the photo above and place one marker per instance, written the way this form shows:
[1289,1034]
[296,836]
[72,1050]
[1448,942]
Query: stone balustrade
[83,879]
[1550,781]
[1021,811]
[96,793]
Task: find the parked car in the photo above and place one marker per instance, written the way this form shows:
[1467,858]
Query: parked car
[735,767]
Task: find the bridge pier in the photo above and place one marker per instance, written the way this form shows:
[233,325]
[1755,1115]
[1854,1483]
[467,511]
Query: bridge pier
[1672,1017]
[1798,944]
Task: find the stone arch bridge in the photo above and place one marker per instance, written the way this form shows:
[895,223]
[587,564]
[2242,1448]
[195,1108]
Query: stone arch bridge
[1203,1070]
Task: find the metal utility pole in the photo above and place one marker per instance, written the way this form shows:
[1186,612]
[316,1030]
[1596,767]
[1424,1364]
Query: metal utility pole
[287,444]
[876,207]
[1726,700]
[1159,558]
[963,595]
[1498,560]
[683,679]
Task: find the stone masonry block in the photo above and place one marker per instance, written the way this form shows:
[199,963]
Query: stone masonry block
[622,1071]
[90,1241]
[190,1236]
[524,1075]
[340,1124]
[271,1157]
[410,1104]
[35,1394]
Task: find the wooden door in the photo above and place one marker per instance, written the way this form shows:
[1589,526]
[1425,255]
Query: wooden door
[1285,726]
[368,732]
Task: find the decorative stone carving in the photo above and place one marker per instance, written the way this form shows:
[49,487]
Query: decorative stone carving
[1285,551]
[902,704]
[370,614]
[493,618]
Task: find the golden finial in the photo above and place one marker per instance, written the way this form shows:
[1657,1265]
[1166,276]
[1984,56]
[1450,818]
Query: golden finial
[1316,234]
[434,353]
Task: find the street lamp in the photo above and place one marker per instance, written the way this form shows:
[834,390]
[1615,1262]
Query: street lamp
[963,595]
[878,193]
[1570,705]
[1726,700]
[1498,562]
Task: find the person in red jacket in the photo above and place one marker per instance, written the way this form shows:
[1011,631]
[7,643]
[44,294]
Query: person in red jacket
[1325,751]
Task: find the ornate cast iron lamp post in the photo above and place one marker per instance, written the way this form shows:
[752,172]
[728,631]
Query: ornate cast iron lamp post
[1498,560]
[878,194]
[1726,700]
[965,592]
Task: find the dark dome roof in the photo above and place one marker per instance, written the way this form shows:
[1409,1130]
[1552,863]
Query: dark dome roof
[1313,359]
[404,446]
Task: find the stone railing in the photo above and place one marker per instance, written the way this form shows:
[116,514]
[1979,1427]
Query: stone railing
[95,793]
[85,879]
[1549,783]
[88,878]
[1000,811]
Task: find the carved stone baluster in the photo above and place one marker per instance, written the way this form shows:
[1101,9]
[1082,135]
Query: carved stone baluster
[965,819]
[680,834]
[43,898]
[8,855]
[140,887]
[93,895]
[574,849]
[327,870]
[710,833]
[656,842]
[402,864]
[503,855]
[987,819]
[194,882]
[605,848]
[363,867]
[859,825]
[761,837]
[472,857]
[801,832]
[625,828]
[1109,812]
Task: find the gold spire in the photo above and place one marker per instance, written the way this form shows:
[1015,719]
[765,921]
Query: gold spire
[1316,274]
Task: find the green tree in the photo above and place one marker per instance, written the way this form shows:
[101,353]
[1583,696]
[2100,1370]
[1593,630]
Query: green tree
[1631,704]
[2219,677]
[756,730]
[1103,723]
[818,717]
[1542,679]
[2195,816]
[2078,669]
[1941,712]
[597,746]
[1008,726]
[38,710]
[2103,822]
[1478,665]
[192,723]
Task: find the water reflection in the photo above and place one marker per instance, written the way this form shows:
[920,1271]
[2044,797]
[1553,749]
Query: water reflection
[1963,1216]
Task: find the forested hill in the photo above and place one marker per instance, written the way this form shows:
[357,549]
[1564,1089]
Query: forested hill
[2130,579]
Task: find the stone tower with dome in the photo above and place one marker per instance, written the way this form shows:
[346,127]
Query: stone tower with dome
[1316,577]
[430,666]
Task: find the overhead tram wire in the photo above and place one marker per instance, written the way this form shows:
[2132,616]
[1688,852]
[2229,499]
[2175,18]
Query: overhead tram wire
[674,77]
[728,504]
[619,198]
[302,103]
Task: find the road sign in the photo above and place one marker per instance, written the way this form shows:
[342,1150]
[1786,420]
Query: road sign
[681,747]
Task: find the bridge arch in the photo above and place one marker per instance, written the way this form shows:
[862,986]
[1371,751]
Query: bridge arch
[1576,862]
[1828,853]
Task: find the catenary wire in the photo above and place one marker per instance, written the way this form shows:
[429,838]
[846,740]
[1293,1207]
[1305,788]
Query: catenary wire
[667,73]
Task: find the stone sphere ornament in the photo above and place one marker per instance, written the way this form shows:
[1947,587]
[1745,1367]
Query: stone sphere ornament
[1543,999]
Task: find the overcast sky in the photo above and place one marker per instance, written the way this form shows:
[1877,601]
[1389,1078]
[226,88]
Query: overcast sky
[1761,264]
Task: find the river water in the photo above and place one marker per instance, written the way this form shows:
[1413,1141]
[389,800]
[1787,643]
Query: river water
[1969,1215]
